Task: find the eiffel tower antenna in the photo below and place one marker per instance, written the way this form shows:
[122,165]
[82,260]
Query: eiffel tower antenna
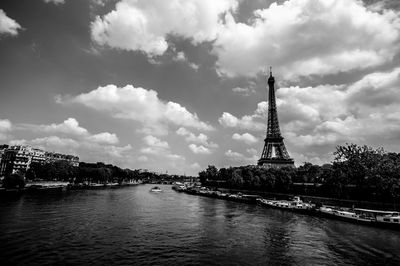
[274,154]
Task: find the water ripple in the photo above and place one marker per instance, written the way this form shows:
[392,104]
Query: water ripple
[131,226]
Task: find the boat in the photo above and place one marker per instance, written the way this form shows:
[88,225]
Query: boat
[387,219]
[380,218]
[155,189]
[294,205]
[344,214]
[178,186]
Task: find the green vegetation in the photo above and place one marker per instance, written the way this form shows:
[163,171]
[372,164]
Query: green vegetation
[357,172]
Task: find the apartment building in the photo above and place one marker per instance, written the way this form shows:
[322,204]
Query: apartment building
[18,158]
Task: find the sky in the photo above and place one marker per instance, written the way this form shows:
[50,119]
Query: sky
[175,86]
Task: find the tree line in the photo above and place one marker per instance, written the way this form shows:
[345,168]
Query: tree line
[85,173]
[357,173]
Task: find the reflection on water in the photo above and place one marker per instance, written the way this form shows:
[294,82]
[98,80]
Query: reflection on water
[133,226]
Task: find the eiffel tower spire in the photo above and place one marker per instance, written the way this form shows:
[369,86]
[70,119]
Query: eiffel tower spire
[274,153]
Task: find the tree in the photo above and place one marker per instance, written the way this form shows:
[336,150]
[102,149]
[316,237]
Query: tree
[14,181]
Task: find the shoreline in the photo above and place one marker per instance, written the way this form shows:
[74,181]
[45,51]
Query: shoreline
[312,210]
[324,200]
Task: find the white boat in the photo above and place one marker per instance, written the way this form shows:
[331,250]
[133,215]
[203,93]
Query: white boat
[176,185]
[295,205]
[344,214]
[380,217]
[155,189]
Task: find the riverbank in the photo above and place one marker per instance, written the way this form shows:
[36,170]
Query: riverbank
[59,186]
[372,217]
[322,200]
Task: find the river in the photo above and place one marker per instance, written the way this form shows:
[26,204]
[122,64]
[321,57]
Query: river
[132,226]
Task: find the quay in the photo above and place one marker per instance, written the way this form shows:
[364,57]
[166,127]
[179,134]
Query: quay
[59,186]
[370,217]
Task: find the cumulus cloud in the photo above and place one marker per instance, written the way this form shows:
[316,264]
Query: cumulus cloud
[69,137]
[140,105]
[299,37]
[70,127]
[245,137]
[5,128]
[181,57]
[254,122]
[199,149]
[252,151]
[55,142]
[143,158]
[104,138]
[240,158]
[117,151]
[8,25]
[159,148]
[247,91]
[155,142]
[319,118]
[195,166]
[56,2]
[304,37]
[315,119]
[144,25]
[199,143]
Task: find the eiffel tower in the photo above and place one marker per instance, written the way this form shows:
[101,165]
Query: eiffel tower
[274,154]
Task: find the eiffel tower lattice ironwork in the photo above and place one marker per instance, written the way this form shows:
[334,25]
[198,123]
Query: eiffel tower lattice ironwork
[274,153]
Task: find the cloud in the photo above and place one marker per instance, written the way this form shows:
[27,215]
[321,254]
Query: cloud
[156,142]
[252,151]
[195,166]
[140,105]
[254,122]
[104,138]
[144,25]
[305,37]
[56,2]
[199,139]
[181,57]
[199,149]
[5,128]
[244,91]
[8,25]
[315,119]
[118,152]
[199,144]
[92,151]
[298,37]
[70,127]
[319,118]
[69,137]
[240,158]
[159,148]
[55,142]
[143,158]
[246,138]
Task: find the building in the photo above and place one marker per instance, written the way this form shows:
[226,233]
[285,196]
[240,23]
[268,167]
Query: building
[18,158]
[275,154]
[52,157]
[2,150]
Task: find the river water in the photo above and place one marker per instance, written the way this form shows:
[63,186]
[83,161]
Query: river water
[132,226]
